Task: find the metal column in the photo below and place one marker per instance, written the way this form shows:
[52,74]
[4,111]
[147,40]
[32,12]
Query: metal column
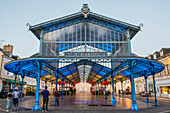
[36,105]
[41,42]
[105,88]
[15,82]
[134,103]
[146,83]
[156,101]
[129,43]
[113,91]
[22,88]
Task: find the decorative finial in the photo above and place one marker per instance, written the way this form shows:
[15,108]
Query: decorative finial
[85,10]
[27,24]
[141,25]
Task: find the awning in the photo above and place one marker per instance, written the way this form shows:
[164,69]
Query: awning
[12,81]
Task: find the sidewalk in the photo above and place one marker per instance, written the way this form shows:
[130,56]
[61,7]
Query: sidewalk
[88,103]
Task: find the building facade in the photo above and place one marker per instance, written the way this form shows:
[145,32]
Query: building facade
[7,78]
[162,78]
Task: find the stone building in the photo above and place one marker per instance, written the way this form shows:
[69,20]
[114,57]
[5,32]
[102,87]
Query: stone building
[162,78]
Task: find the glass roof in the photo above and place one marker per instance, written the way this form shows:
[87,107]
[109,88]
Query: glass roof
[79,17]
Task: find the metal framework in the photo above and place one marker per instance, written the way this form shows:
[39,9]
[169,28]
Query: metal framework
[85,47]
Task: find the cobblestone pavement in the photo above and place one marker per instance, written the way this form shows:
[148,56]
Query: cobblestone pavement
[87,103]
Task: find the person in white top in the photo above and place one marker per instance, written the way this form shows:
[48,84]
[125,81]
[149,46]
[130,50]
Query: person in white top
[16,96]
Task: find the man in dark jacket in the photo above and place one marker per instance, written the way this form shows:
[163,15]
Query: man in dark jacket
[45,94]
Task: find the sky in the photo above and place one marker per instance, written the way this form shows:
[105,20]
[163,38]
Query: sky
[154,14]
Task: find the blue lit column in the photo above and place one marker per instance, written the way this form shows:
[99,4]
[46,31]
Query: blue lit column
[36,105]
[62,97]
[22,88]
[154,84]
[113,91]
[15,74]
[105,88]
[134,103]
[146,83]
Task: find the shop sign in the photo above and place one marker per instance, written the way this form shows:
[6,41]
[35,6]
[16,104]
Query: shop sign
[85,54]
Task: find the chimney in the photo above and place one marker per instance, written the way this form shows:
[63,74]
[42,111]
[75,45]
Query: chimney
[8,48]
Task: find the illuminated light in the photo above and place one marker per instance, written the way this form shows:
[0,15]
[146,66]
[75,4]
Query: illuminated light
[127,85]
[165,93]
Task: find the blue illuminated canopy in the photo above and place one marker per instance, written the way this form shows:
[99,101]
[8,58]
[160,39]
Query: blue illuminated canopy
[28,67]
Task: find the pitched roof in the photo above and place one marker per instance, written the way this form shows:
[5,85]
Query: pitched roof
[79,17]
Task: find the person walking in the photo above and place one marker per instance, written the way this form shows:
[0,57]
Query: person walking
[57,96]
[45,94]
[9,100]
[16,96]
[119,92]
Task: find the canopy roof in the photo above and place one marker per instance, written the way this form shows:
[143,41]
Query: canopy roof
[85,70]
[78,18]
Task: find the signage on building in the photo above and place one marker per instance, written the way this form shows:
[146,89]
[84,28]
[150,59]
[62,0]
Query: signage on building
[85,54]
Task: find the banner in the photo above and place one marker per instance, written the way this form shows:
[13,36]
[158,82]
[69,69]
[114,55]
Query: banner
[85,54]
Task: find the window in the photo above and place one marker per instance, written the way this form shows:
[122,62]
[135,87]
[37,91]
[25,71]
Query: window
[7,72]
[165,89]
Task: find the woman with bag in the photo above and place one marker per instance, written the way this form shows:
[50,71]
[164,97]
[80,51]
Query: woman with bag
[9,100]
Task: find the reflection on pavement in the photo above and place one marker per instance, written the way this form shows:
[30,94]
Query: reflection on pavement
[87,101]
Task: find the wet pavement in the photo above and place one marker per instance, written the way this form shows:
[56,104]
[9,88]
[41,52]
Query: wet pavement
[88,103]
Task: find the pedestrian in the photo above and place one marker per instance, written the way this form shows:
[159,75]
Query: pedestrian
[9,100]
[57,96]
[16,96]
[119,92]
[33,92]
[45,94]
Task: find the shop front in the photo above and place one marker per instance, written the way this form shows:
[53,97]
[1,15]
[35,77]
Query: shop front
[164,87]
[8,84]
[30,89]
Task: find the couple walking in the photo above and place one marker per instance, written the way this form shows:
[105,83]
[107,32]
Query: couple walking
[12,96]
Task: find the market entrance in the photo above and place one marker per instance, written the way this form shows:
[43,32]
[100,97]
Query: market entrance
[81,48]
